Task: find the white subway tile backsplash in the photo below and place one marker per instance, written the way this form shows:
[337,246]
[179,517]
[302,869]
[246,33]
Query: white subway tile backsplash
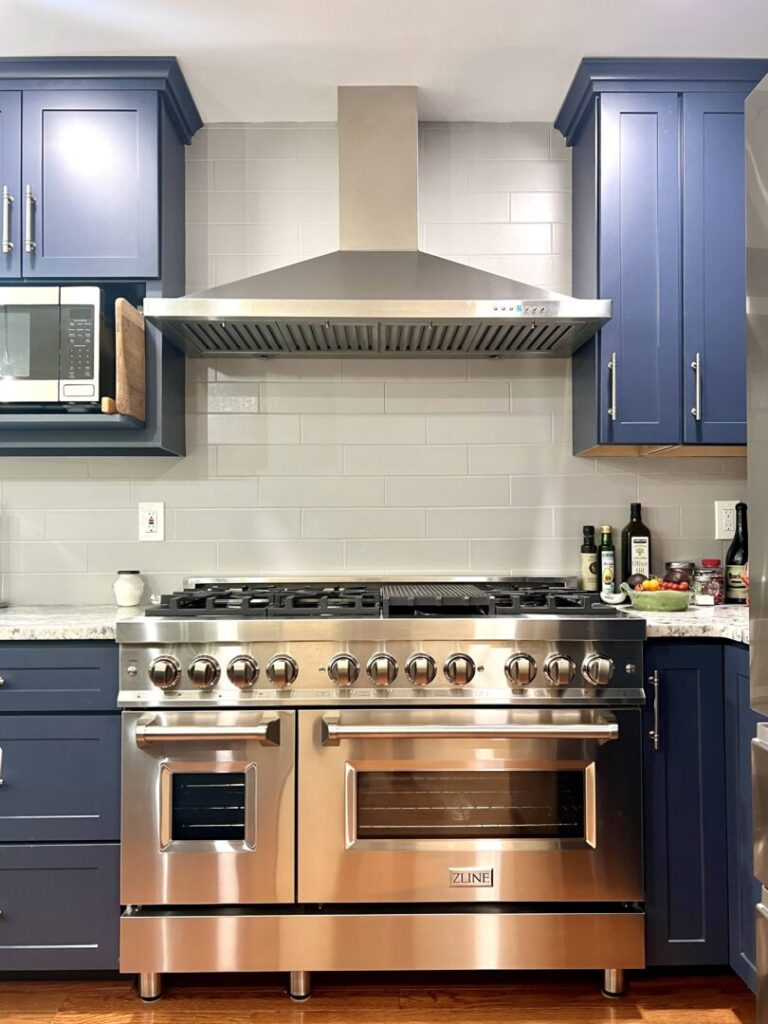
[373,523]
[357,464]
[369,430]
[406,555]
[313,396]
[279,460]
[329,492]
[451,397]
[429,460]
[448,491]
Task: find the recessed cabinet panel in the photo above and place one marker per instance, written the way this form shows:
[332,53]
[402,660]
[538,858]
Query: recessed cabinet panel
[714,275]
[10,171]
[90,163]
[639,259]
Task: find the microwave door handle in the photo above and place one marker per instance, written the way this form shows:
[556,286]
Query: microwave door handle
[603,731]
[267,733]
[7,242]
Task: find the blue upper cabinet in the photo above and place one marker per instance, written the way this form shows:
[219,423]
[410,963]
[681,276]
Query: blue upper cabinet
[80,150]
[10,184]
[640,200]
[658,227]
[714,278]
[90,180]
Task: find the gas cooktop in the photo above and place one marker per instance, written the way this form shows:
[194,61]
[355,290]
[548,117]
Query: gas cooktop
[255,599]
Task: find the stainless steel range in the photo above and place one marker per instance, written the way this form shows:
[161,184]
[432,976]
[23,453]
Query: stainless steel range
[381,775]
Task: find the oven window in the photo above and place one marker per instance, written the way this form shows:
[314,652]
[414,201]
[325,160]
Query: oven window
[470,805]
[208,805]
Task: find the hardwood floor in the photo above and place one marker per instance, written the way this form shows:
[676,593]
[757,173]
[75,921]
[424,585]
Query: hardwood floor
[552,998]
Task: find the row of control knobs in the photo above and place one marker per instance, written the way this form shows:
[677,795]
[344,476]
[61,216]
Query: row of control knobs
[344,670]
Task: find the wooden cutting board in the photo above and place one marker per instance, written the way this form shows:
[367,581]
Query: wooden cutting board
[130,361]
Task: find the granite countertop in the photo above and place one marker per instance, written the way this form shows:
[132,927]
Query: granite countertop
[97,622]
[62,622]
[728,622]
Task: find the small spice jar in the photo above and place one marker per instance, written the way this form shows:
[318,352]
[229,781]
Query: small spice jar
[128,588]
[709,583]
[686,569]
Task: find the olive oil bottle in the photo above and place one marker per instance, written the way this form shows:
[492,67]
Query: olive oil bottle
[635,545]
[589,561]
[607,562]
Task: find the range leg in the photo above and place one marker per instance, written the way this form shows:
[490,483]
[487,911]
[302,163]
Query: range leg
[300,985]
[614,982]
[150,986]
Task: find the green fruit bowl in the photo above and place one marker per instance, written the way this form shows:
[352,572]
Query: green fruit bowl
[658,600]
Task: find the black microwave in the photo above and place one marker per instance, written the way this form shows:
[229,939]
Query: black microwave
[55,347]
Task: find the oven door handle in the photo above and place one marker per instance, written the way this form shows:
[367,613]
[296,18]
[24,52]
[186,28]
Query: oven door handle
[603,730]
[266,732]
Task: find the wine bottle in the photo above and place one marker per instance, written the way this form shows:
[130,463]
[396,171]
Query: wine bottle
[607,562]
[635,545]
[737,558]
[589,560]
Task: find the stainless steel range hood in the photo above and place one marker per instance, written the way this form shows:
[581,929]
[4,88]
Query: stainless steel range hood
[378,295]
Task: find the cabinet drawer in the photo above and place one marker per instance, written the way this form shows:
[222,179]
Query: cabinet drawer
[70,676]
[61,777]
[59,907]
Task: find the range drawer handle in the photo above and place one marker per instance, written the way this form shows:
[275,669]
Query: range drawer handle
[267,733]
[603,731]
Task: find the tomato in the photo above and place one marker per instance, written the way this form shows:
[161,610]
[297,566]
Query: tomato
[683,585]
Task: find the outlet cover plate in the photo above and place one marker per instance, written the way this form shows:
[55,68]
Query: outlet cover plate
[152,520]
[725,520]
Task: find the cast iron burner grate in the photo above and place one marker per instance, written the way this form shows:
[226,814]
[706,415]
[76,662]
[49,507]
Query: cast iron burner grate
[269,600]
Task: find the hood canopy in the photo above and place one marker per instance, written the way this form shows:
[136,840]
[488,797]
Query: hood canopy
[378,294]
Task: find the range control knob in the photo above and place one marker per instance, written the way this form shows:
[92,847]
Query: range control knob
[560,669]
[520,669]
[382,669]
[459,669]
[597,670]
[343,669]
[282,670]
[243,671]
[165,672]
[204,672]
[421,669]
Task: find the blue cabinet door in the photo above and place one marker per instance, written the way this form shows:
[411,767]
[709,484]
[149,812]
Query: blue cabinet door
[639,268]
[60,907]
[10,178]
[714,281]
[51,676]
[90,160]
[743,887]
[684,808]
[60,778]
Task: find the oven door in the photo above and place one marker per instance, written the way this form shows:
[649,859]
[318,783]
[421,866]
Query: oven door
[469,805]
[29,345]
[208,807]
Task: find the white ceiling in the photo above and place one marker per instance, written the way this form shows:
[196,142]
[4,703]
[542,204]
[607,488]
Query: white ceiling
[485,60]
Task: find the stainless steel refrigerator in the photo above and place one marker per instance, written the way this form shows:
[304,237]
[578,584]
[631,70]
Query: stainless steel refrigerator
[757,468]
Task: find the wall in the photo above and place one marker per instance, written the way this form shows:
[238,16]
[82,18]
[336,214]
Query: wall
[334,465]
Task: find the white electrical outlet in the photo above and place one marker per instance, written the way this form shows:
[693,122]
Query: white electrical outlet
[725,520]
[151,520]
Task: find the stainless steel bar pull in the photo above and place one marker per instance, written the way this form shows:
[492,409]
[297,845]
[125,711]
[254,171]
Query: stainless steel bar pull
[1,766]
[603,730]
[696,367]
[613,369]
[7,242]
[29,220]
[654,733]
[267,733]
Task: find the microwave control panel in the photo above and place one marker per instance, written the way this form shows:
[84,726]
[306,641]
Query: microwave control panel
[78,343]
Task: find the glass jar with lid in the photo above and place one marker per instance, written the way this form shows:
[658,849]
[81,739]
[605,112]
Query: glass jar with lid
[686,570]
[709,583]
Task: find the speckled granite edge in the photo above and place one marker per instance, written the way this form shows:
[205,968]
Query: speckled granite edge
[61,622]
[724,623]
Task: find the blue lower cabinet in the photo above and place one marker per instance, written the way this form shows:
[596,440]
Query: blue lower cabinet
[61,778]
[59,907]
[684,807]
[743,888]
